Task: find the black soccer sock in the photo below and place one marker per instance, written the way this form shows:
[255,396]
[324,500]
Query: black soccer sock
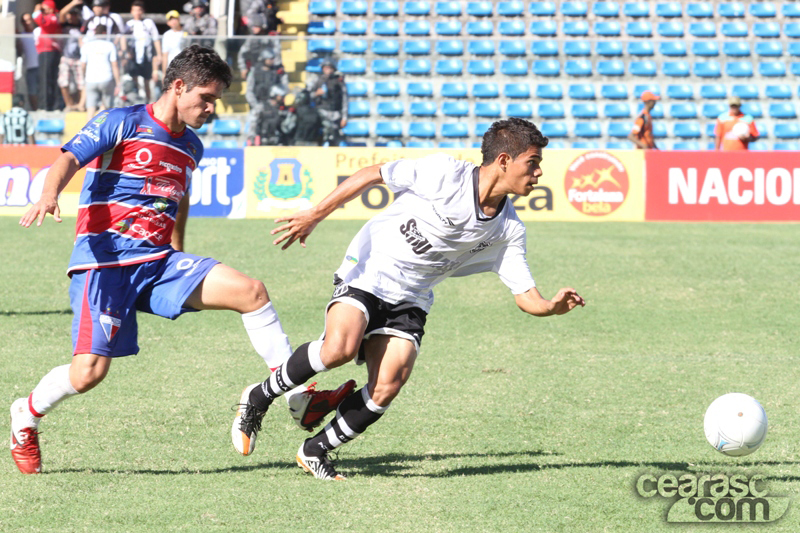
[355,414]
[301,366]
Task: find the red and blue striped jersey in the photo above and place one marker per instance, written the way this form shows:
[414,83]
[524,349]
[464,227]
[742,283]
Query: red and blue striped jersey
[138,171]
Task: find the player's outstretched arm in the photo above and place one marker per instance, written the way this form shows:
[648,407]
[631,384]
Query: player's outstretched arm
[57,178]
[533,303]
[299,226]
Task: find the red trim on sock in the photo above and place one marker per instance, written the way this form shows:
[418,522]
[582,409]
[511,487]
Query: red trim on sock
[274,369]
[30,407]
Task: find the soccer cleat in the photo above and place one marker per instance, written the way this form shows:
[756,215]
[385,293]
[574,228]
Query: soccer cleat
[310,407]
[247,423]
[320,466]
[24,439]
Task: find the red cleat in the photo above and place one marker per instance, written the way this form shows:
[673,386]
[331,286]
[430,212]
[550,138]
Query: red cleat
[24,440]
[310,407]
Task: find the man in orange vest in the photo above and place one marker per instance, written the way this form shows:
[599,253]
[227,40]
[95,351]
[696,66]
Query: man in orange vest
[735,130]
[642,133]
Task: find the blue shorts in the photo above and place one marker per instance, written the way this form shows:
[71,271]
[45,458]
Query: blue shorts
[104,301]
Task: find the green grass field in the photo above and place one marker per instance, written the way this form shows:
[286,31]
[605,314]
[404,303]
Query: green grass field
[508,423]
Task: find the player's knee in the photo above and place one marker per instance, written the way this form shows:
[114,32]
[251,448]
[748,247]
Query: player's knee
[256,296]
[84,377]
[337,351]
[384,392]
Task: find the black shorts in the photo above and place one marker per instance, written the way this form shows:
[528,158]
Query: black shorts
[144,70]
[403,320]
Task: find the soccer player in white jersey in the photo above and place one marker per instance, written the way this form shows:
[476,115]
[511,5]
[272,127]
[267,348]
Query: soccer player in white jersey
[453,218]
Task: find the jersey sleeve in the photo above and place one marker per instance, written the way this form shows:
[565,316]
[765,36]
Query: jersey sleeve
[637,125]
[512,267]
[99,135]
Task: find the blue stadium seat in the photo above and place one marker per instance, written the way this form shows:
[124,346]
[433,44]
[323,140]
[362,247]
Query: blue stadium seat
[358,108]
[617,110]
[322,8]
[229,143]
[769,49]
[416,27]
[449,67]
[669,10]
[687,146]
[683,110]
[202,130]
[607,28]
[511,27]
[763,10]
[588,130]
[578,67]
[645,69]
[448,27]
[321,46]
[452,144]
[357,88]
[57,142]
[794,49]
[710,126]
[574,9]
[458,108]
[354,46]
[314,64]
[357,8]
[753,109]
[420,89]
[714,91]
[637,9]
[485,90]
[736,28]
[385,9]
[453,48]
[555,130]
[575,28]
[731,9]
[767,30]
[356,128]
[609,48]
[483,47]
[417,9]
[544,48]
[386,88]
[745,91]
[711,69]
[700,10]
[417,67]
[614,91]
[605,9]
[551,110]
[581,91]
[586,145]
[454,130]
[420,144]
[226,127]
[448,9]
[788,146]
[686,130]
[619,130]
[482,127]
[546,67]
[706,48]
[735,49]
[422,130]
[758,146]
[513,67]
[480,28]
[519,109]
[394,143]
[550,91]
[385,66]
[454,90]
[738,69]
[353,27]
[778,92]
[713,109]
[481,67]
[704,28]
[782,110]
[544,28]
[788,130]
[517,90]
[639,28]
[790,10]
[673,48]
[391,109]
[654,88]
[542,9]
[52,125]
[385,27]
[792,29]
[417,47]
[322,27]
[682,91]
[479,9]
[659,130]
[577,48]
[513,48]
[671,28]
[511,9]
[584,110]
[771,69]
[643,48]
[389,129]
[610,67]
[615,145]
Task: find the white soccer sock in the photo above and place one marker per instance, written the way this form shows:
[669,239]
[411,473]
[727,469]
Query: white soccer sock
[51,390]
[266,333]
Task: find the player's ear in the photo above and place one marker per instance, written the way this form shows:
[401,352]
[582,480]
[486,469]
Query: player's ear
[178,86]
[503,160]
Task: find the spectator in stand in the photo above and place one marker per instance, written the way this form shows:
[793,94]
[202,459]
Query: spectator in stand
[173,40]
[330,95]
[145,53]
[26,48]
[16,126]
[101,15]
[642,133]
[201,23]
[49,49]
[729,134]
[308,129]
[100,71]
[269,10]
[250,53]
[70,77]
[265,81]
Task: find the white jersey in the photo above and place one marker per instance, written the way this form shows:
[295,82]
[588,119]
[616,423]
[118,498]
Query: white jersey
[433,230]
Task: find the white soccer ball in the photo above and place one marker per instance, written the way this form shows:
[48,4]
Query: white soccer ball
[735,424]
[741,130]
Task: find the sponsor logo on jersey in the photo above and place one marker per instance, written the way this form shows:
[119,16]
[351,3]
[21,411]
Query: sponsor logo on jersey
[164,187]
[100,119]
[144,129]
[170,166]
[192,148]
[352,259]
[340,290]
[596,183]
[442,218]
[110,325]
[481,246]
[419,243]
[161,205]
[285,184]
[89,133]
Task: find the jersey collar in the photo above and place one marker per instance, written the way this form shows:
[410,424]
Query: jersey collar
[164,126]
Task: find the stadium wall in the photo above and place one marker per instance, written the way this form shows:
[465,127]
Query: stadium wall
[578,185]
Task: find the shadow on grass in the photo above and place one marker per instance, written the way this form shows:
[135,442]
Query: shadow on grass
[184,471]
[36,313]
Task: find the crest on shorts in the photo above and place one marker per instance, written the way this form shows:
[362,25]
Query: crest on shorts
[285,184]
[110,325]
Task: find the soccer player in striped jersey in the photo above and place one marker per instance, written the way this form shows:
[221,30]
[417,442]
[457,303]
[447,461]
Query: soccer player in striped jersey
[16,125]
[449,218]
[128,253]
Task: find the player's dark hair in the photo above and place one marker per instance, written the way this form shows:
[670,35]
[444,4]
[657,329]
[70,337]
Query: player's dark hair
[512,136]
[197,66]
[139,3]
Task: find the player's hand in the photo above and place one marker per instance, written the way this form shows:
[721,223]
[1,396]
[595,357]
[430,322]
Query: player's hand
[297,227]
[566,300]
[39,211]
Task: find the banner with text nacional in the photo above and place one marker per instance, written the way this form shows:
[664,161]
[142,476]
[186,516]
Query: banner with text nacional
[577,184]
[723,186]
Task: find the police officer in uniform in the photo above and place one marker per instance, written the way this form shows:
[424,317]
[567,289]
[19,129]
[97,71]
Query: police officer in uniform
[330,96]
[264,81]
[201,23]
